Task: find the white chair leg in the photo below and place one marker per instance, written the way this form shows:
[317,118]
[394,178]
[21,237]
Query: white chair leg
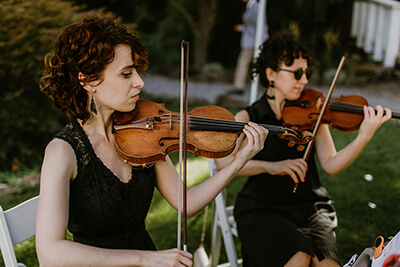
[222,228]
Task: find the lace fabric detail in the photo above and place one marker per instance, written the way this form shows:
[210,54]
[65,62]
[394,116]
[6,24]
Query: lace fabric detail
[69,134]
[100,204]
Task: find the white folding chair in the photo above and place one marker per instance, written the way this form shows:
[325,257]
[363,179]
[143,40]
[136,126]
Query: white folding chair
[224,225]
[16,225]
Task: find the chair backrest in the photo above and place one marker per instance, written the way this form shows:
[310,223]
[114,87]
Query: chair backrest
[224,226]
[16,225]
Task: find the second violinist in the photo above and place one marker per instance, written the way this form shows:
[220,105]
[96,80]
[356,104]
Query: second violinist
[276,225]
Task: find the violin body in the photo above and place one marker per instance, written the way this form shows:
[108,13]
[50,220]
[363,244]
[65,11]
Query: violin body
[344,113]
[150,132]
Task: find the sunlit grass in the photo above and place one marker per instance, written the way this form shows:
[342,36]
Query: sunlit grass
[167,223]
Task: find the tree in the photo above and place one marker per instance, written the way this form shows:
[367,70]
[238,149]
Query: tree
[201,26]
[28,30]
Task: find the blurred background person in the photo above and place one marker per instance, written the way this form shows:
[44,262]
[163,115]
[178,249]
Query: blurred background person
[248,29]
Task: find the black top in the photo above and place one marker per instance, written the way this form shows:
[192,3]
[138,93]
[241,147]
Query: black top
[103,211]
[269,189]
[273,222]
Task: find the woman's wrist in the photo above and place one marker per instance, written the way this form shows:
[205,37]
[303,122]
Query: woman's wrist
[238,162]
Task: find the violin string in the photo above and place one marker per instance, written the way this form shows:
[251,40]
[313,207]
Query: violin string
[234,125]
[211,121]
[211,124]
[200,123]
[199,120]
[358,109]
[166,118]
[340,106]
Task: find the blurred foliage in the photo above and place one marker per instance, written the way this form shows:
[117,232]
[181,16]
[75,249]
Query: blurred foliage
[164,24]
[28,119]
[164,27]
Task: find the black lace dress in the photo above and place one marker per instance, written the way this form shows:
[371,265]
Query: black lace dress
[103,211]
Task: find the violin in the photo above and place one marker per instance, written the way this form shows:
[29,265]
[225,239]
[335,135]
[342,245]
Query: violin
[344,113]
[150,132]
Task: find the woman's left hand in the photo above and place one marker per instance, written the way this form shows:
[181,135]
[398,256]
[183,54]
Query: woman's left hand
[373,119]
[254,142]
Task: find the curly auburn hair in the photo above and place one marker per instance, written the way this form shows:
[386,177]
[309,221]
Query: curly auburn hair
[280,48]
[85,47]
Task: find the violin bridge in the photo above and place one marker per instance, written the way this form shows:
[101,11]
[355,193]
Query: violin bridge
[170,122]
[319,103]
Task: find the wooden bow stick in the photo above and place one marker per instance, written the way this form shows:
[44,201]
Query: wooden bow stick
[323,109]
[183,148]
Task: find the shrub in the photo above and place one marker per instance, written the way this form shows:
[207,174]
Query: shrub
[28,119]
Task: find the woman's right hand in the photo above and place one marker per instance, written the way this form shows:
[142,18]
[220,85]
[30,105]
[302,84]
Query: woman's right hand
[295,168]
[171,258]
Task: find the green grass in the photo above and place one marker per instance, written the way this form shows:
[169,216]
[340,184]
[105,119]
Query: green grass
[358,227]
[359,224]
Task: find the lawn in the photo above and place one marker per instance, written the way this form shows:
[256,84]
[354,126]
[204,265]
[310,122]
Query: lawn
[365,209]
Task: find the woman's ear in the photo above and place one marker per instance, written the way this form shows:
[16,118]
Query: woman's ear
[90,86]
[81,77]
[86,86]
[270,74]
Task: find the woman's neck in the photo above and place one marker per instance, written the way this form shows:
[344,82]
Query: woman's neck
[277,105]
[98,125]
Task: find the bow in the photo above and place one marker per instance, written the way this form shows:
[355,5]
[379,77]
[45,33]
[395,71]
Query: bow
[323,109]
[182,186]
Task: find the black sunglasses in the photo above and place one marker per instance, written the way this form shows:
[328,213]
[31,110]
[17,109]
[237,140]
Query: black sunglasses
[299,73]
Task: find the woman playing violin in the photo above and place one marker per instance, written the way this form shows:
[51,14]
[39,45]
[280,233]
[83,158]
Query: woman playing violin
[85,186]
[276,226]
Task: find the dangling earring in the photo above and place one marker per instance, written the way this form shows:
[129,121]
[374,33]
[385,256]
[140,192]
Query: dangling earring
[92,105]
[271,91]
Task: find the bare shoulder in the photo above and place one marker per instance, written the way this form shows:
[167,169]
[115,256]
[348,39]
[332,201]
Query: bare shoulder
[242,116]
[58,146]
[59,154]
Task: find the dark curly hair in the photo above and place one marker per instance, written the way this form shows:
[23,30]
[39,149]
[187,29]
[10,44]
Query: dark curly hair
[85,47]
[280,48]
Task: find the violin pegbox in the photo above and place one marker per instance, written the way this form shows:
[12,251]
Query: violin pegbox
[306,137]
[301,139]
[296,138]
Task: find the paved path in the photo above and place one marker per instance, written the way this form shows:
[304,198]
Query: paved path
[386,94]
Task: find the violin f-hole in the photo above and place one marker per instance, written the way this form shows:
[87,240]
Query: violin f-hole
[313,114]
[161,143]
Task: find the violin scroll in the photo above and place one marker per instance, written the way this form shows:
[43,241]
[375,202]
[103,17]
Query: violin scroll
[296,137]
